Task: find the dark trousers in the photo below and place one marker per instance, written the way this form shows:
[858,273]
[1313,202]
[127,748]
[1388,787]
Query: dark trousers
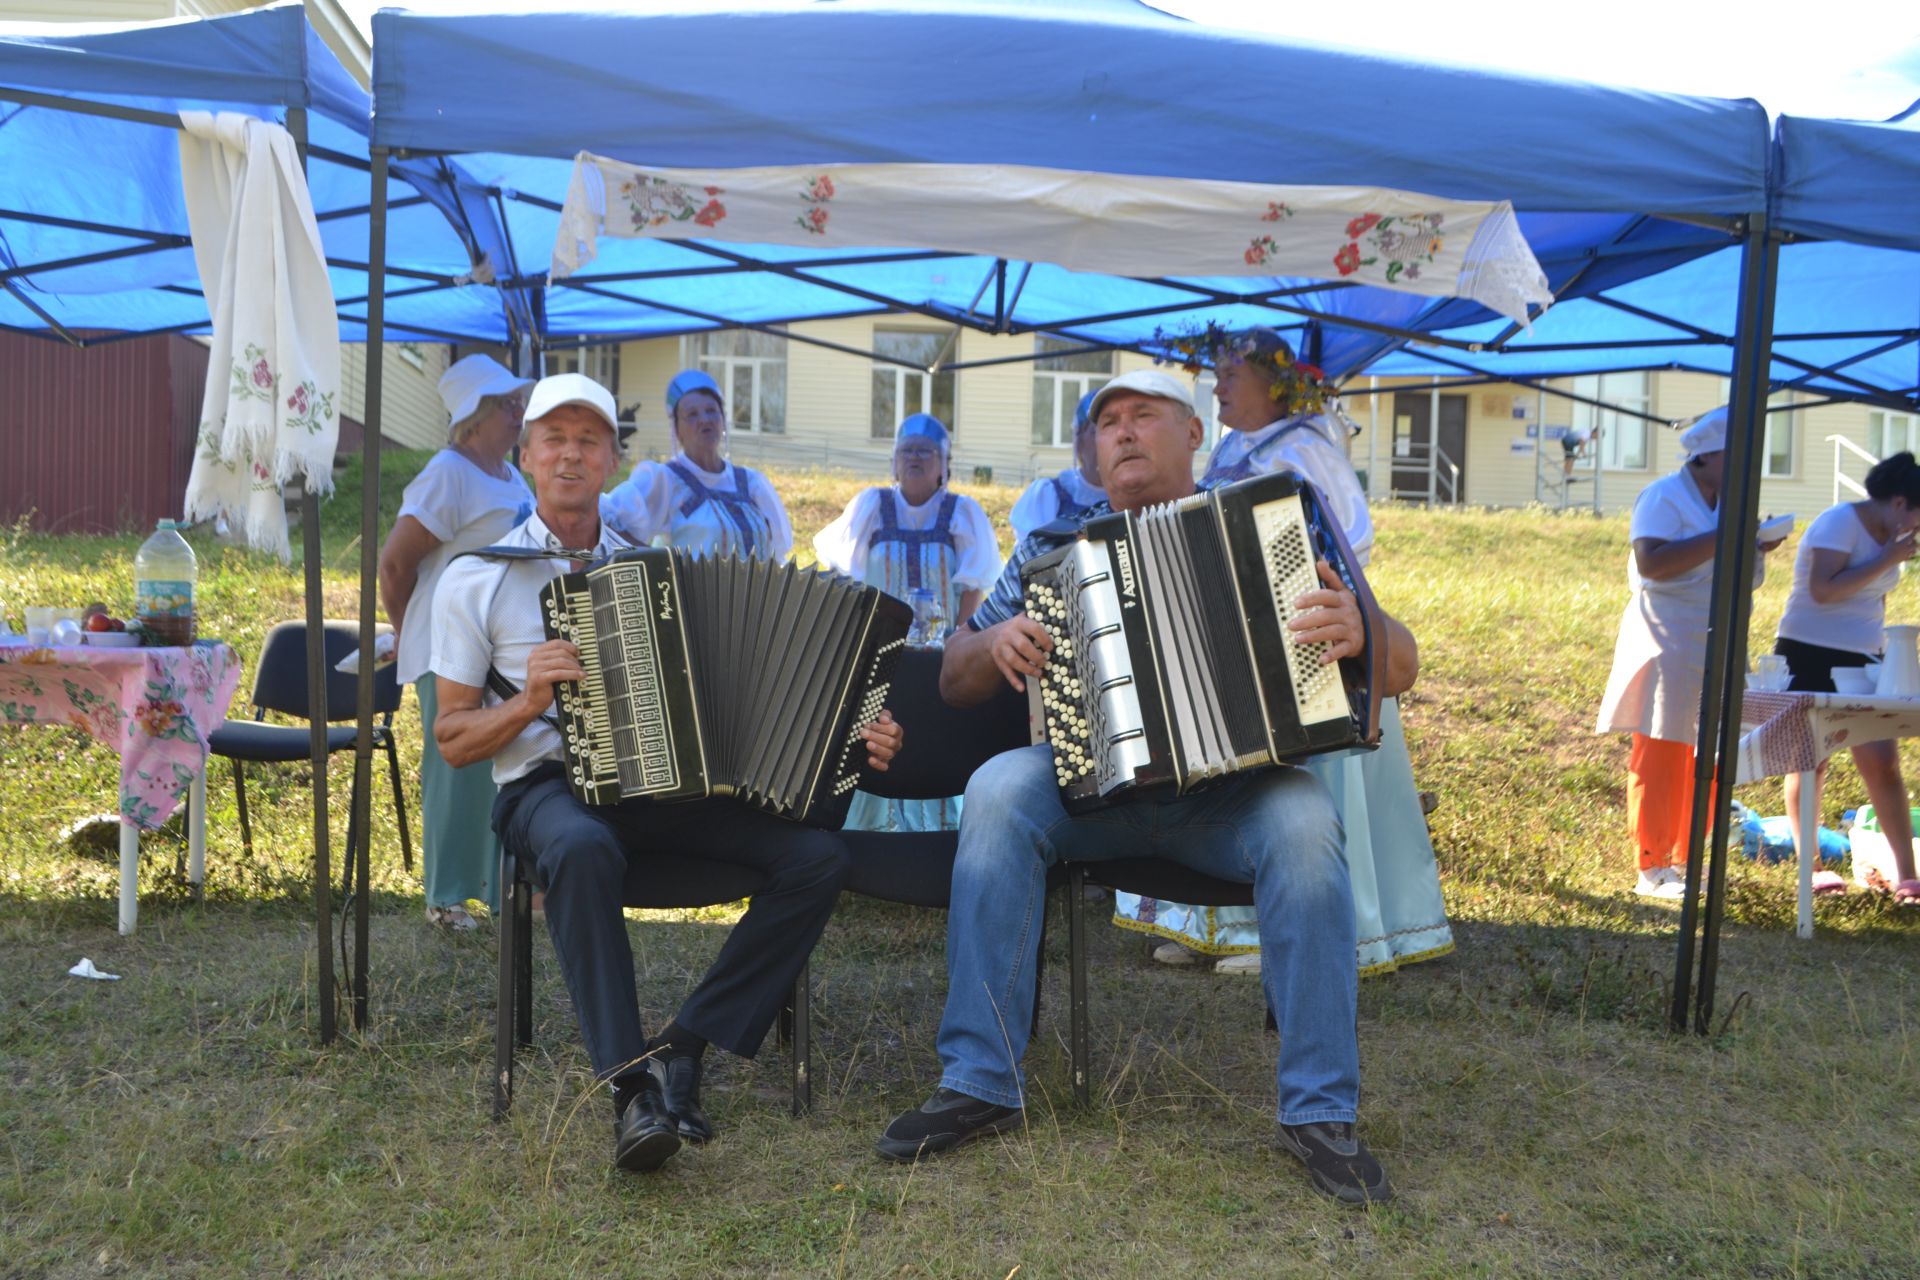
[585,857]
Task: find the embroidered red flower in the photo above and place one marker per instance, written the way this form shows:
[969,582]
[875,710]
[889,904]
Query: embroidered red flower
[713,191]
[710,214]
[1275,212]
[818,217]
[823,187]
[1348,259]
[1255,255]
[260,471]
[298,400]
[1361,225]
[262,376]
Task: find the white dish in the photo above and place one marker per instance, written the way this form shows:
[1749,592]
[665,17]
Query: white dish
[1777,528]
[1852,680]
[111,640]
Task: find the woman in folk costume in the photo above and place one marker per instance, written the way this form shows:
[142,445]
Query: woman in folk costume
[697,499]
[468,495]
[1273,403]
[914,535]
[1660,657]
[1073,491]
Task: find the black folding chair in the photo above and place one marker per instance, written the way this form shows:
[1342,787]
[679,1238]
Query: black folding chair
[280,686]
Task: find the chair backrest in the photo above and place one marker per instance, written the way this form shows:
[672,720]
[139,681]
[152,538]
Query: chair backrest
[280,678]
[944,744]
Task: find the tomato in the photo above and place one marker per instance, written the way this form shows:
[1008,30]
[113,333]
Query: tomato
[99,622]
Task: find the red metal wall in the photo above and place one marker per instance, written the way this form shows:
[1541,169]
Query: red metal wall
[94,440]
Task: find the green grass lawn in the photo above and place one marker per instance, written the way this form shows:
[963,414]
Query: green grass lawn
[1535,1115]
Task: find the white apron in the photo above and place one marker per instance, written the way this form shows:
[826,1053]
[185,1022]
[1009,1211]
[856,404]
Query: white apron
[1660,656]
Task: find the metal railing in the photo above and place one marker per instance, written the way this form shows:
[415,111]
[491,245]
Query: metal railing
[1842,482]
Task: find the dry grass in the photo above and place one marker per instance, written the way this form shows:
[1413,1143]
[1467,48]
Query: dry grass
[1536,1117]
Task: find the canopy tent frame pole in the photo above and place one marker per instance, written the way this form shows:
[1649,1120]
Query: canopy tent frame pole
[369,577]
[317,715]
[1716,754]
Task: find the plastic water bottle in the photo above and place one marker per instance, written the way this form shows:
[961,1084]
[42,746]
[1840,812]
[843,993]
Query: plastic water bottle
[165,572]
[929,627]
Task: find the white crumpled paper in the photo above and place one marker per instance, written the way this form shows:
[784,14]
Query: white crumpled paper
[384,647]
[87,969]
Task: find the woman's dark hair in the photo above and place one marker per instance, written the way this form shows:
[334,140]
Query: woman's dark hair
[1895,477]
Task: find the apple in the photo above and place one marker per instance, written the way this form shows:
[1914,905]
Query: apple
[99,621]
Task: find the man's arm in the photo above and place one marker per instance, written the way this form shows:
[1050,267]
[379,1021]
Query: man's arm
[1331,615]
[977,661]
[468,733]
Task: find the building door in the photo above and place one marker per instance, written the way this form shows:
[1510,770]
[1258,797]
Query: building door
[1413,447]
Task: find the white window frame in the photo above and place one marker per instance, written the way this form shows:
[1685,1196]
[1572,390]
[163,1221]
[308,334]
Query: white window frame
[600,361]
[1066,386]
[903,377]
[1789,416]
[1907,424]
[721,369]
[1612,424]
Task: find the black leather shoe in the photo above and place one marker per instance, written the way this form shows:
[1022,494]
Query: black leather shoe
[679,1081]
[942,1123]
[644,1134]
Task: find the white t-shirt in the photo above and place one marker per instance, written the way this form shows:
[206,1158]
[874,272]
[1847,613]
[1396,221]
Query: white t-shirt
[843,544]
[1040,504]
[1305,444]
[488,613]
[464,507]
[647,504]
[1856,624]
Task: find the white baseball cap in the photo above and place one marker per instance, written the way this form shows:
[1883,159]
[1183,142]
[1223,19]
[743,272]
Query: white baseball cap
[469,380]
[559,389]
[1708,434]
[1146,382]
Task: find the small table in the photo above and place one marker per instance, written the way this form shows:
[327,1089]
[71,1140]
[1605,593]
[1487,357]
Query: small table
[155,707]
[1795,732]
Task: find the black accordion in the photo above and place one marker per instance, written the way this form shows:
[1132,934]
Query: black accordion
[709,676]
[1172,663]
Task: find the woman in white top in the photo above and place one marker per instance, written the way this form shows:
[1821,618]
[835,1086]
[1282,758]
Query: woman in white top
[467,496]
[1659,659]
[697,499]
[915,535]
[1849,560]
[1072,492]
[1272,405]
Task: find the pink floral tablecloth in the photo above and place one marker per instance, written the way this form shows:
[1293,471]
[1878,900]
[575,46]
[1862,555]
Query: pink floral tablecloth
[155,707]
[1794,732]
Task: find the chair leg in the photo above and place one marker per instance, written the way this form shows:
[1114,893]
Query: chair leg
[1039,970]
[801,1053]
[240,799]
[523,953]
[1077,980]
[506,998]
[399,805]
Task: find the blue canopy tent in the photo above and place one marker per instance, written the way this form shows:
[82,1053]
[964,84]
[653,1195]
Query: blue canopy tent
[1611,185]
[95,245]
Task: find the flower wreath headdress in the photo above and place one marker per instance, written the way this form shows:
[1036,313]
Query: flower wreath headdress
[1290,380]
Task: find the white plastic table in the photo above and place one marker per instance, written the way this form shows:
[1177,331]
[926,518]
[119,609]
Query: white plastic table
[1794,733]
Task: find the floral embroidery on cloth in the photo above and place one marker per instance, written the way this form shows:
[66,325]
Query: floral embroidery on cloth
[155,707]
[813,219]
[653,201]
[1407,243]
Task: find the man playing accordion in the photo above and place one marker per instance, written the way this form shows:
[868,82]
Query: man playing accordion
[1275,829]
[490,640]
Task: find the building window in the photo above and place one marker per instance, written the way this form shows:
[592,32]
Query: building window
[900,392]
[601,363]
[1891,433]
[1781,446]
[1622,444]
[1058,383]
[751,368]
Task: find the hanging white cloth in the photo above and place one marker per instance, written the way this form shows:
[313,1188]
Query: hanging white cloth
[1121,224]
[270,412]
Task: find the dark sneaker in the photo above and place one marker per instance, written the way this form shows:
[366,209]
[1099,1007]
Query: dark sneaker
[679,1080]
[1338,1162]
[942,1123]
[644,1135]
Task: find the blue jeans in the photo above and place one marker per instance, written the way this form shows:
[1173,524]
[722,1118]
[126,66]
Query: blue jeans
[1275,829]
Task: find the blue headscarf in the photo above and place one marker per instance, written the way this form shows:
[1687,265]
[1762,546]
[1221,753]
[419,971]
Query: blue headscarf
[691,380]
[924,426]
[1083,412]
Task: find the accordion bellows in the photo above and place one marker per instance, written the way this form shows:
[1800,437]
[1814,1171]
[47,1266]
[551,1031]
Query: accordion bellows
[710,676]
[1172,662]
